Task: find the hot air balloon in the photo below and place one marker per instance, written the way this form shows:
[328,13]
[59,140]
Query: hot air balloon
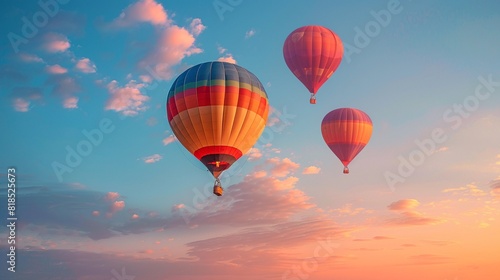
[313,53]
[346,131]
[217,111]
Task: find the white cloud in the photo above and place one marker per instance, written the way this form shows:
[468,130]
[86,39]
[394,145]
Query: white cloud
[250,33]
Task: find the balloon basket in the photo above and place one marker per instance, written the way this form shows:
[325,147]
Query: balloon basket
[346,170]
[218,190]
[312,100]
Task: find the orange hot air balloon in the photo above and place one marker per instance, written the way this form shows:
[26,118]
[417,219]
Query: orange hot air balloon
[217,111]
[346,131]
[313,53]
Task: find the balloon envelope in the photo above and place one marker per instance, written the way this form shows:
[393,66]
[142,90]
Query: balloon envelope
[217,111]
[346,131]
[313,53]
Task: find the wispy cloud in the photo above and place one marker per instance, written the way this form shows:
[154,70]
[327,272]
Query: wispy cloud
[413,218]
[152,158]
[468,190]
[495,188]
[404,204]
[169,139]
[429,259]
[250,33]
[30,58]
[408,216]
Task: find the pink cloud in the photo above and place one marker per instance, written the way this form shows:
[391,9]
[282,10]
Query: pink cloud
[152,159]
[127,100]
[66,88]
[259,174]
[70,102]
[196,27]
[146,79]
[468,190]
[147,252]
[22,97]
[56,69]
[227,58]
[174,44]
[404,204]
[21,105]
[84,65]
[348,209]
[495,188]
[282,168]
[116,206]
[254,154]
[260,251]
[96,213]
[413,218]
[30,58]
[257,200]
[168,140]
[112,196]
[134,217]
[311,170]
[54,42]
[178,207]
[142,11]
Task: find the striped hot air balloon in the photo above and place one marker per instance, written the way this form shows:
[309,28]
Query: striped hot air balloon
[346,131]
[313,53]
[217,111]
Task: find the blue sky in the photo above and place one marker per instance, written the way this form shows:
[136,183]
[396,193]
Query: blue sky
[92,63]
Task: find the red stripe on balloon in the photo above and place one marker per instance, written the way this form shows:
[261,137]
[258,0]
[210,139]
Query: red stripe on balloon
[210,150]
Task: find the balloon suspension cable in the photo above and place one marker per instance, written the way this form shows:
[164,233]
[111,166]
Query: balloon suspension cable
[312,100]
[346,170]
[218,190]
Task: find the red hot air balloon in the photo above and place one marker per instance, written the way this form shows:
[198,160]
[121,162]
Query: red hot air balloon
[217,111]
[313,53]
[346,131]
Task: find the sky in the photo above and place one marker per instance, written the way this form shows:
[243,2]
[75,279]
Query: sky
[105,191]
